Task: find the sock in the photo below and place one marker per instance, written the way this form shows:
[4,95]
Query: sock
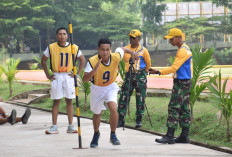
[95,133]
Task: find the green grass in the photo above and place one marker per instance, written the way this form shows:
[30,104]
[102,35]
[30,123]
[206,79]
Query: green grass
[17,89]
[205,128]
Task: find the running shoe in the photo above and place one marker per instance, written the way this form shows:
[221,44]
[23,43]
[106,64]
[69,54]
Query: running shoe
[71,129]
[53,130]
[94,142]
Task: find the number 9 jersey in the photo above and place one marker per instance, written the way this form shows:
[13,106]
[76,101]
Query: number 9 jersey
[106,74]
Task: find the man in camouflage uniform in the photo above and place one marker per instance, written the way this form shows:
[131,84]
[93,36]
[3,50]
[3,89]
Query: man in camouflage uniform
[178,108]
[137,81]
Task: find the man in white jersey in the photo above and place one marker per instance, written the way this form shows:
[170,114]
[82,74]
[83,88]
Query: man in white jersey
[62,84]
[102,70]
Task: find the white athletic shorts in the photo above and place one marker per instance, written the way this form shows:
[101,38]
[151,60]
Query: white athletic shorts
[62,86]
[101,94]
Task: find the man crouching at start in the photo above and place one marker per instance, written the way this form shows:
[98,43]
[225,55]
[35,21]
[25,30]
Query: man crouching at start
[102,70]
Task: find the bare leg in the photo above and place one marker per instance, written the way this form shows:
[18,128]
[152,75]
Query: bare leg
[3,117]
[113,115]
[69,108]
[96,121]
[55,111]
[3,120]
[18,119]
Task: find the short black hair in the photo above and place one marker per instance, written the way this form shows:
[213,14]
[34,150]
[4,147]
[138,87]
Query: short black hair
[61,29]
[104,41]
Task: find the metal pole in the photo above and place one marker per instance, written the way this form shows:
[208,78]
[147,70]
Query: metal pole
[131,62]
[75,82]
[148,114]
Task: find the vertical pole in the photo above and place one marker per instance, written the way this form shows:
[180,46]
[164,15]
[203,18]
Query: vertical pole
[177,11]
[153,38]
[225,14]
[75,82]
[201,13]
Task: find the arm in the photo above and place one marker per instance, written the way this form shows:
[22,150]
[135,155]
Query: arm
[44,66]
[2,111]
[88,75]
[82,64]
[133,54]
[181,57]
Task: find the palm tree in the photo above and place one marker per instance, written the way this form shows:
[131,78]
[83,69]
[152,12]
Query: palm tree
[221,100]
[201,63]
[85,87]
[10,69]
[122,72]
[1,72]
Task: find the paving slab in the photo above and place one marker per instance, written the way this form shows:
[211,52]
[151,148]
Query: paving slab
[30,140]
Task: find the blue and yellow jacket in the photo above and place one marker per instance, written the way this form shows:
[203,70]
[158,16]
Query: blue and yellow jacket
[182,66]
[144,61]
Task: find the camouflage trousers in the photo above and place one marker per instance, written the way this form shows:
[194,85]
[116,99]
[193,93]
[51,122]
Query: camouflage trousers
[178,108]
[138,81]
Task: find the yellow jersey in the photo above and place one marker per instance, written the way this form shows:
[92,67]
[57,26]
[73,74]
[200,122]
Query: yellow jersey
[106,74]
[61,57]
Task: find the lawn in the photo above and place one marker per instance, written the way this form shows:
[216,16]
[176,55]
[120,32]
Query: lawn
[206,127]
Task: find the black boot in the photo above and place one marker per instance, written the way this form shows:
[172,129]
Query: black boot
[121,121]
[138,121]
[168,138]
[183,138]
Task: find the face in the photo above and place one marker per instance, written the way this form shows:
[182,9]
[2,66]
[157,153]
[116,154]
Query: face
[174,41]
[62,36]
[134,40]
[104,51]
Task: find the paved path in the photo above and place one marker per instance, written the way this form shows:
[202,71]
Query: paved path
[29,140]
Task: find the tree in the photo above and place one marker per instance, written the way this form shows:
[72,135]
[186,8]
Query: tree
[22,19]
[201,63]
[101,19]
[226,3]
[192,27]
[152,16]
[221,100]
[10,69]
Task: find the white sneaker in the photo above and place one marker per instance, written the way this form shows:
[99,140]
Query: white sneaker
[53,130]
[71,129]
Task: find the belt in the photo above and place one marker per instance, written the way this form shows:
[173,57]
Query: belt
[134,71]
[179,80]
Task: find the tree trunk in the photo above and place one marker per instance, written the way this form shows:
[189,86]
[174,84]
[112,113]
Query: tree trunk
[17,47]
[48,37]
[228,129]
[191,117]
[144,39]
[11,91]
[85,101]
[128,110]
